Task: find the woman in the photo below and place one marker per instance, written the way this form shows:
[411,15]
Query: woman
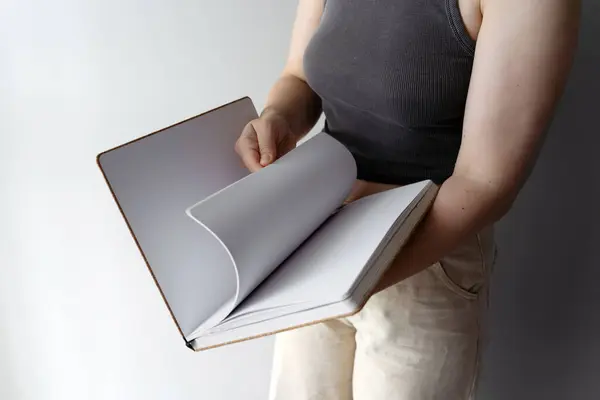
[457,91]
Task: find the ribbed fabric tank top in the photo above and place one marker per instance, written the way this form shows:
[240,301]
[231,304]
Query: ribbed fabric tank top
[393,77]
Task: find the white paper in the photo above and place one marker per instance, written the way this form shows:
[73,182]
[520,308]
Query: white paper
[262,219]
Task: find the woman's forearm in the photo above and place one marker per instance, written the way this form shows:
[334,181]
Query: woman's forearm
[292,98]
[462,208]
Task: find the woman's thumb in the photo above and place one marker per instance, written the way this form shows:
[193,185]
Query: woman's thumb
[267,145]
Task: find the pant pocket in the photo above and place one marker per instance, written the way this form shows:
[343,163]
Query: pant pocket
[465,270]
[442,275]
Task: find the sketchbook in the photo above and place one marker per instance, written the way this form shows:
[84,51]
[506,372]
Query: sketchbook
[238,255]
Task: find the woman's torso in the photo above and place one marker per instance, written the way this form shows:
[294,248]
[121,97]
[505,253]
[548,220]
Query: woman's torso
[393,77]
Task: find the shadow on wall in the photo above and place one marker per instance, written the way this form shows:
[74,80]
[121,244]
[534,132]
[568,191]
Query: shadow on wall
[545,325]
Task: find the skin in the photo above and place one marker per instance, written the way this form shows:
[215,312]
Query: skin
[522,60]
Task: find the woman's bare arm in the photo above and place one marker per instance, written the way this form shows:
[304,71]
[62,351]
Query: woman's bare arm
[292,108]
[290,96]
[523,56]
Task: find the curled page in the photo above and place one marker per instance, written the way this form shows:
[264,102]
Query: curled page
[261,219]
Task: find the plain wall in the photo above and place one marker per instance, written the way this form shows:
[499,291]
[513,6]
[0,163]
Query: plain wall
[80,317]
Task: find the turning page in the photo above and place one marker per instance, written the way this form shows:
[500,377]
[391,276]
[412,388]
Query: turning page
[263,218]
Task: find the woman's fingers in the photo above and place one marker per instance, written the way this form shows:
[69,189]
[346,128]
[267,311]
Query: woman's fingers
[247,147]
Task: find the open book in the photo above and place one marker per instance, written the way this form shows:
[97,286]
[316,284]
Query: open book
[239,255]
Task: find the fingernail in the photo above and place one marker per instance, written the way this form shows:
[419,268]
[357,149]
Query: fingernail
[266,159]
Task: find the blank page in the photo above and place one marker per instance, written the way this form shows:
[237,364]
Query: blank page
[327,267]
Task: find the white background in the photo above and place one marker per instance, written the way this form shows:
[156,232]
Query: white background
[80,317]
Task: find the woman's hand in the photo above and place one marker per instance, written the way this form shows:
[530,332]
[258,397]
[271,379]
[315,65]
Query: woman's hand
[264,140]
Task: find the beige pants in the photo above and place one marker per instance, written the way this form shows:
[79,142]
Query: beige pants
[418,340]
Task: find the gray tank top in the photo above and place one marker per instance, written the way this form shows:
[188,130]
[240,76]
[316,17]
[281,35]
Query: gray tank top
[393,77]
